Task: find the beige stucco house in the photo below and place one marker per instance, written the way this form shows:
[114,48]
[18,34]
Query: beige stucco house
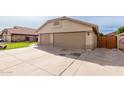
[68,33]
[120,41]
[17,34]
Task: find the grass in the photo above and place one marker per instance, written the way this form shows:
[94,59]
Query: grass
[18,45]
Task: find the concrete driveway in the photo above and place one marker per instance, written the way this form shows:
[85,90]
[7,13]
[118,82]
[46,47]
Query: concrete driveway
[46,61]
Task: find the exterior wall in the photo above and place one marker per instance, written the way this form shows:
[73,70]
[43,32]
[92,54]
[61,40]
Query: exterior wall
[96,41]
[120,42]
[94,38]
[51,39]
[7,38]
[33,38]
[39,39]
[65,26]
[18,38]
[4,38]
[91,40]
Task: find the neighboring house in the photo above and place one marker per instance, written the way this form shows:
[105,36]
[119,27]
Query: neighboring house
[0,34]
[68,33]
[111,34]
[17,34]
[120,41]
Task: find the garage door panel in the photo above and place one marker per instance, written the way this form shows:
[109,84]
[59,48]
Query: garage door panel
[45,39]
[70,40]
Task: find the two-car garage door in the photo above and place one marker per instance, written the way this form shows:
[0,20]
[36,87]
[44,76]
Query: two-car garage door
[70,40]
[65,40]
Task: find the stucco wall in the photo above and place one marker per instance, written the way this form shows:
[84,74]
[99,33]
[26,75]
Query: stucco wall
[18,38]
[22,38]
[7,38]
[4,37]
[65,26]
[94,36]
[39,39]
[91,40]
[120,42]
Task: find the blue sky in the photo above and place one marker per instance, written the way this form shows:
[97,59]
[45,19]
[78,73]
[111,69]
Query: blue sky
[106,23]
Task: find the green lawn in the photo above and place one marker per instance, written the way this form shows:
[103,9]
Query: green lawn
[18,45]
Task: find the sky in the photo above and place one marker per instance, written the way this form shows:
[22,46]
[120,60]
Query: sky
[106,24]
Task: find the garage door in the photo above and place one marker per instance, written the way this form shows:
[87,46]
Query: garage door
[70,40]
[45,39]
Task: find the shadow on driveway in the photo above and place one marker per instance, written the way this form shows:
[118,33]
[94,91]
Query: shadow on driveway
[100,56]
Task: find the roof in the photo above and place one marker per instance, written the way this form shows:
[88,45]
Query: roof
[111,34]
[21,30]
[95,27]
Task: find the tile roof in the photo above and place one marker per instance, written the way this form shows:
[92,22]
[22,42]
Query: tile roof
[21,30]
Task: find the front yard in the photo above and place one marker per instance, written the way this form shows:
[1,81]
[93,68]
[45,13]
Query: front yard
[18,45]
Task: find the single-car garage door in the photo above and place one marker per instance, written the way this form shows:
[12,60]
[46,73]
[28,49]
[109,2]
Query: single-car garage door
[45,39]
[70,40]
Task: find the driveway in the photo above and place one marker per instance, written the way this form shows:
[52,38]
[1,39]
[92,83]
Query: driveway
[47,61]
[98,62]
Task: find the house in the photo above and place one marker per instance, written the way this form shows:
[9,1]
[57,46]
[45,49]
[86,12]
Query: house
[111,34]
[120,41]
[68,33]
[17,34]
[0,34]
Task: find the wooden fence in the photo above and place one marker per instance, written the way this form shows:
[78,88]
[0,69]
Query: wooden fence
[107,42]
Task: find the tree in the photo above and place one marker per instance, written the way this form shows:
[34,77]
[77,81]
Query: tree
[101,34]
[120,30]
